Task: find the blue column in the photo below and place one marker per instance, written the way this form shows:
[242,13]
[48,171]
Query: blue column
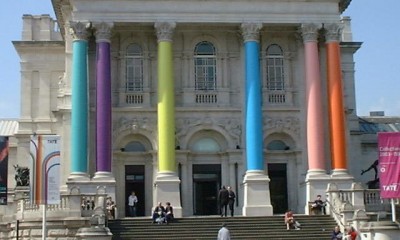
[254,131]
[79,108]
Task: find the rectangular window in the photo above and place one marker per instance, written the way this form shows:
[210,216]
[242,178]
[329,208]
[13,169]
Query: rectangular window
[205,70]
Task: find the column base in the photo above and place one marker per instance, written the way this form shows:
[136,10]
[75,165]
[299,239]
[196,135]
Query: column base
[257,199]
[78,177]
[342,178]
[166,186]
[104,176]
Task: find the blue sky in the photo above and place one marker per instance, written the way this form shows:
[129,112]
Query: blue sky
[374,22]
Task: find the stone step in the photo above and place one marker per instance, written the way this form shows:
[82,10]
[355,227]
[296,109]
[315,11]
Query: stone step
[270,227]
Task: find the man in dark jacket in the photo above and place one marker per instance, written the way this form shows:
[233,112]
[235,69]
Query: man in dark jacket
[231,197]
[223,200]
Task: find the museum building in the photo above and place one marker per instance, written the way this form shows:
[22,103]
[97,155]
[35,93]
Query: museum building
[175,99]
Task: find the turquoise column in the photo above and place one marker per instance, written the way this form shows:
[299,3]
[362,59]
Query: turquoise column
[79,105]
[254,130]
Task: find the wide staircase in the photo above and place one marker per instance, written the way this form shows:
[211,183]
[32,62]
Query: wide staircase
[315,227]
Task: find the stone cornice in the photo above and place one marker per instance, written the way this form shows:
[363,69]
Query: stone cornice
[135,11]
[343,4]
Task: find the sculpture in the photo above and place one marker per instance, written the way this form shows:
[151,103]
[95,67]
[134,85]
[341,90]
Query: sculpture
[21,175]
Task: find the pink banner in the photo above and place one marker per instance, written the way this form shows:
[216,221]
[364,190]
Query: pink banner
[389,164]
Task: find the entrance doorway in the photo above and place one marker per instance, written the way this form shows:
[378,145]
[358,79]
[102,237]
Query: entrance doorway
[206,185]
[134,181]
[278,187]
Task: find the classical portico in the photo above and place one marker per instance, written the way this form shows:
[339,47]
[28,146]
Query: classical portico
[177,105]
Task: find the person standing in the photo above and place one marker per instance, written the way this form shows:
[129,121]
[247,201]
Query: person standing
[223,233]
[231,198]
[223,197]
[132,202]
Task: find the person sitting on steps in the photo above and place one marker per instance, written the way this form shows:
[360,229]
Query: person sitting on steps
[169,213]
[290,222]
[159,214]
[318,206]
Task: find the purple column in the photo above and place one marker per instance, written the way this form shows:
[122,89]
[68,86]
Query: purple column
[103,99]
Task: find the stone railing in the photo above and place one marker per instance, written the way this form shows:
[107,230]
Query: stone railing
[349,207]
[374,203]
[71,205]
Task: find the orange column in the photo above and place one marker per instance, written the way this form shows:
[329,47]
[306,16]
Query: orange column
[335,98]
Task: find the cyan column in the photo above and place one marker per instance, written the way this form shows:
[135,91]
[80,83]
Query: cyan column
[254,130]
[257,200]
[103,100]
[79,105]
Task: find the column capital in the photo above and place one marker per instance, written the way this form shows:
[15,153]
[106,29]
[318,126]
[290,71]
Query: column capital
[164,31]
[103,31]
[79,30]
[333,32]
[251,31]
[309,32]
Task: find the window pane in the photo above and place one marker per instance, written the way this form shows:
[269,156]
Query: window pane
[205,66]
[275,64]
[134,68]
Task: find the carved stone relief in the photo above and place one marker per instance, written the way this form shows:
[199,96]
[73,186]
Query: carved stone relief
[288,124]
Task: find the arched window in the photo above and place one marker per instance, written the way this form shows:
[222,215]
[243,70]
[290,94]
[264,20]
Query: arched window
[277,145]
[275,73]
[134,146]
[208,145]
[205,66]
[134,68]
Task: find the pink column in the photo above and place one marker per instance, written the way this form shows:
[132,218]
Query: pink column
[315,127]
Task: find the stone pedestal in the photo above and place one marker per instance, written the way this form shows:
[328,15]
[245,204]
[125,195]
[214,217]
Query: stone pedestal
[101,183]
[342,178]
[94,233]
[257,200]
[166,187]
[316,184]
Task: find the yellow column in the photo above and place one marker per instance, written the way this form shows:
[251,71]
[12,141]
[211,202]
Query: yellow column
[166,182]
[166,102]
